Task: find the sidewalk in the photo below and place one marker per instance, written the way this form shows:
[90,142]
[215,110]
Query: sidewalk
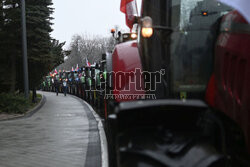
[63,133]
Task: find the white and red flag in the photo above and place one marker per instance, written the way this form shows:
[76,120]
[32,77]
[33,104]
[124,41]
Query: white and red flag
[88,63]
[77,68]
[56,71]
[129,7]
[72,69]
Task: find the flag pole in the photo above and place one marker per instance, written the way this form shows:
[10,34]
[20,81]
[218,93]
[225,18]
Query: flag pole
[24,50]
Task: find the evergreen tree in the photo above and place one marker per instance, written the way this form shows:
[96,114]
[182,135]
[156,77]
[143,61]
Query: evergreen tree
[44,53]
[2,54]
[40,45]
[10,43]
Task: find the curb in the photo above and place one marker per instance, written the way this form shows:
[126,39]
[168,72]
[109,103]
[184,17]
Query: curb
[102,135]
[103,139]
[37,108]
[28,113]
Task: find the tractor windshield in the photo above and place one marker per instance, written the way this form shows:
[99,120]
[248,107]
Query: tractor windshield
[195,27]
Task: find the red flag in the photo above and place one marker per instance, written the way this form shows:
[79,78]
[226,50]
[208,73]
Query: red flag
[129,7]
[56,71]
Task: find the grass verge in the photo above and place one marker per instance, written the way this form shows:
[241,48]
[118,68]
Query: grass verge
[16,103]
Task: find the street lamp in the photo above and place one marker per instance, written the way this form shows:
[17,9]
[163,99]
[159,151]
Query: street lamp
[24,44]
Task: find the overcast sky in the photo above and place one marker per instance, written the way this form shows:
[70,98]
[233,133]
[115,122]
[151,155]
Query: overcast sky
[93,17]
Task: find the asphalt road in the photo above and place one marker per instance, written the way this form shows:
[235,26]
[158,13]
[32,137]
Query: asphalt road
[63,133]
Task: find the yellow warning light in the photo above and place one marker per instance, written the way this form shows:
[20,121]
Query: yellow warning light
[112,30]
[204,13]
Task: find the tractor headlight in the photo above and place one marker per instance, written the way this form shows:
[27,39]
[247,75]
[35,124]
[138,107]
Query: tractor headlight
[133,35]
[147,27]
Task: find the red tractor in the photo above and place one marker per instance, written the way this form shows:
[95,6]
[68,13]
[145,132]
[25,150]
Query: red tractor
[179,95]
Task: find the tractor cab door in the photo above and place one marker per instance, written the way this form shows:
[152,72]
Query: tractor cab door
[195,25]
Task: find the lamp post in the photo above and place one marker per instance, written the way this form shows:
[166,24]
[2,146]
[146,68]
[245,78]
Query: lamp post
[24,50]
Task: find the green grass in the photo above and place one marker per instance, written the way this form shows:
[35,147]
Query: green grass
[16,103]
[38,98]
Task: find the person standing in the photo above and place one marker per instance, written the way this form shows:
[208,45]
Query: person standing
[56,82]
[65,87]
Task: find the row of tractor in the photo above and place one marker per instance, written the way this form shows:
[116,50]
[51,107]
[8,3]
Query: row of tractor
[179,94]
[88,83]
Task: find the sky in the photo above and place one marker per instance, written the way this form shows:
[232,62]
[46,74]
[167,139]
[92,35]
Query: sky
[91,17]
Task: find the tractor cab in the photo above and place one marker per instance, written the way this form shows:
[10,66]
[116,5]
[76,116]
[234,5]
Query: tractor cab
[64,76]
[76,76]
[57,77]
[92,74]
[48,80]
[60,75]
[71,77]
[182,43]
[101,77]
[88,76]
[97,76]
[103,71]
[48,83]
[83,75]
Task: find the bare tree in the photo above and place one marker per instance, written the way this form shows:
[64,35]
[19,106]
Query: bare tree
[86,47]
